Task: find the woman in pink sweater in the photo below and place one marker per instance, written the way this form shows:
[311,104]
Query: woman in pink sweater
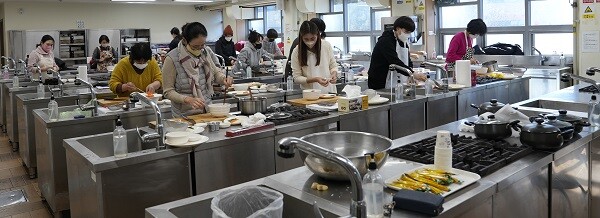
[461,45]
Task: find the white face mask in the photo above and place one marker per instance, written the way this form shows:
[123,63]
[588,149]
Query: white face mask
[228,38]
[310,44]
[473,36]
[140,66]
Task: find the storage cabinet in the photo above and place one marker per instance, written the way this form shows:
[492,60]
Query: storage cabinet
[72,49]
[129,37]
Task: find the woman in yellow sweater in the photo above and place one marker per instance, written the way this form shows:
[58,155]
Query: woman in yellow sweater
[138,71]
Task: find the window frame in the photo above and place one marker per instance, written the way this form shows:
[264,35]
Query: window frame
[264,18]
[527,30]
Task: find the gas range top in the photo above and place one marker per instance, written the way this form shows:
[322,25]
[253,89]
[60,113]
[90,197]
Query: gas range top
[590,88]
[485,80]
[475,155]
[297,114]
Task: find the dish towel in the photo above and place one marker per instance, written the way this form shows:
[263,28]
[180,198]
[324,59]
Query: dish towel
[253,120]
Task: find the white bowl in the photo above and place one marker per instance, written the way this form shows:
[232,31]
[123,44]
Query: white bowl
[262,90]
[154,98]
[240,87]
[203,125]
[194,138]
[272,88]
[254,91]
[224,125]
[178,138]
[311,94]
[219,109]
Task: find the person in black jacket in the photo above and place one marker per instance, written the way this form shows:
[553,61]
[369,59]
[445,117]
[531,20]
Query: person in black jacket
[225,46]
[176,38]
[384,53]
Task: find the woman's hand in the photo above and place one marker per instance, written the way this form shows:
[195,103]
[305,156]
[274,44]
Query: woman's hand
[324,82]
[150,89]
[420,76]
[474,61]
[129,87]
[228,81]
[196,103]
[333,78]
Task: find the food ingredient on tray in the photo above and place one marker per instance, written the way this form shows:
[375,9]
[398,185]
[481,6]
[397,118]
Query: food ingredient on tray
[426,180]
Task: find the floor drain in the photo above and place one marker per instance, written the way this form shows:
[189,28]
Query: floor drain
[12,198]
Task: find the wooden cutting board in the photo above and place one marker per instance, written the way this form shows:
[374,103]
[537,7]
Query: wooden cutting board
[108,103]
[199,118]
[303,102]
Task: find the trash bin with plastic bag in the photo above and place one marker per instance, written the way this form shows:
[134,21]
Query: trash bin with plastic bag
[250,201]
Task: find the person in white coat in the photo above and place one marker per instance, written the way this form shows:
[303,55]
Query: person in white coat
[313,63]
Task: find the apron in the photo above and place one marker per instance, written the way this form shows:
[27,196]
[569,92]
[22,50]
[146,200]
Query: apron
[466,56]
[44,62]
[314,69]
[404,57]
[104,54]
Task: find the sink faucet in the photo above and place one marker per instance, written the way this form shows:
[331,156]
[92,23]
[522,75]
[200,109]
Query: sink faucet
[409,92]
[22,67]
[159,134]
[272,63]
[590,71]
[542,58]
[94,102]
[58,78]
[339,50]
[358,206]
[442,69]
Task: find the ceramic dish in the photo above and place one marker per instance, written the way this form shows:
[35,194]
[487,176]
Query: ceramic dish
[237,120]
[378,100]
[327,96]
[239,93]
[467,178]
[199,140]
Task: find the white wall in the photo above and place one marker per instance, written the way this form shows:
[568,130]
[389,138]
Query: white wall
[158,18]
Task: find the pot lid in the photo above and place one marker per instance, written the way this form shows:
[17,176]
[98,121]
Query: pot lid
[279,104]
[493,105]
[552,120]
[491,119]
[278,116]
[539,127]
[563,116]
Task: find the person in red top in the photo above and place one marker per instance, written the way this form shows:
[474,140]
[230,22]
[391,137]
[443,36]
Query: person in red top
[461,45]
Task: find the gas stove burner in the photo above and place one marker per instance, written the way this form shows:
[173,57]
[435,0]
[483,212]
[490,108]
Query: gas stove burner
[475,155]
[485,80]
[295,114]
[100,77]
[590,88]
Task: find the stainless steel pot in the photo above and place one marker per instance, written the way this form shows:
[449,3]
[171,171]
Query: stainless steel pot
[542,136]
[252,105]
[577,122]
[492,66]
[493,129]
[352,145]
[492,106]
[562,125]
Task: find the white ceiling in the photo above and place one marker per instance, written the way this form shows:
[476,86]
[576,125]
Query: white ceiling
[162,2]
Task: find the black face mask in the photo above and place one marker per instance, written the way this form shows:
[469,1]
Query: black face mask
[258,46]
[271,40]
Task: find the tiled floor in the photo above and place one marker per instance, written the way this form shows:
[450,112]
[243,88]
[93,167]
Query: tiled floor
[12,177]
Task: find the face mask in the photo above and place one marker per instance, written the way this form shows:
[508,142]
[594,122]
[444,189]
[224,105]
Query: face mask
[104,45]
[258,46]
[46,48]
[271,40]
[473,36]
[140,66]
[193,52]
[228,38]
[403,37]
[310,44]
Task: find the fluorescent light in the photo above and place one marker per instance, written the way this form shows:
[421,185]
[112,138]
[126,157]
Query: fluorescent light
[196,1]
[133,0]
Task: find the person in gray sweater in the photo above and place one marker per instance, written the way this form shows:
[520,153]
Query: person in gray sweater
[252,53]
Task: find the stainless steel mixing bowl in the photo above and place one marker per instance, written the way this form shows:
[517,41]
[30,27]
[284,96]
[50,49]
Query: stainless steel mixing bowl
[352,145]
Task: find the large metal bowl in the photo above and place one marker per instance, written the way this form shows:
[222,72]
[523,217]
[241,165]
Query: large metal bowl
[352,145]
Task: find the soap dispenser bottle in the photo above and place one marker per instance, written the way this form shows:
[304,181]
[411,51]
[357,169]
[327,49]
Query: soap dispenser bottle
[41,92]
[53,108]
[373,187]
[120,140]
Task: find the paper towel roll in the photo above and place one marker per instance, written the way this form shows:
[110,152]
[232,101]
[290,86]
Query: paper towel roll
[463,72]
[82,72]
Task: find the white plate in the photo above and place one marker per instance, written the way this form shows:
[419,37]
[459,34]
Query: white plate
[239,93]
[379,100]
[196,130]
[509,76]
[238,121]
[467,178]
[203,125]
[189,144]
[456,86]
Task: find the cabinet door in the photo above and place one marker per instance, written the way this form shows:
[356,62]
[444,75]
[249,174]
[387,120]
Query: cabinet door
[497,92]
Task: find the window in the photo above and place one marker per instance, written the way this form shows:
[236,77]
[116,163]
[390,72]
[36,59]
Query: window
[266,17]
[554,43]
[352,25]
[457,16]
[545,24]
[504,38]
[551,12]
[448,38]
[500,13]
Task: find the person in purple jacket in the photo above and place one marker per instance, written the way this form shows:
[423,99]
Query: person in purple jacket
[461,45]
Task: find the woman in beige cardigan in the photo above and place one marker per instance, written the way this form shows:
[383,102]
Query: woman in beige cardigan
[313,63]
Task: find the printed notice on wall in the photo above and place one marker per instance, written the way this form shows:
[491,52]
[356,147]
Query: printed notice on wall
[590,41]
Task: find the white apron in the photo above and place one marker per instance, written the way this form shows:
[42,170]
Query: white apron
[314,70]
[403,56]
[43,62]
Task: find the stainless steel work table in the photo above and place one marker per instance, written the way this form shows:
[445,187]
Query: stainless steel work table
[53,181]
[11,112]
[4,95]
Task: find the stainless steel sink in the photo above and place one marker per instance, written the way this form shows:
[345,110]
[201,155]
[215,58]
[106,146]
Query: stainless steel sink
[556,105]
[421,91]
[292,208]
[102,144]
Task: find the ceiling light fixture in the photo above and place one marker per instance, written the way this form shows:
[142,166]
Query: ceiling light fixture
[133,0]
[194,1]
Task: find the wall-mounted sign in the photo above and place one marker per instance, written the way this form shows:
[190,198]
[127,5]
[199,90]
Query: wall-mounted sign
[588,1]
[399,2]
[591,42]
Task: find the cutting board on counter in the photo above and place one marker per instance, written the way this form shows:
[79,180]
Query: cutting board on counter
[303,102]
[111,102]
[199,118]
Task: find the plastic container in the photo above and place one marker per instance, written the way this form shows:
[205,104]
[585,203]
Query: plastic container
[41,92]
[53,109]
[429,86]
[5,74]
[248,72]
[290,83]
[120,140]
[15,81]
[249,201]
[373,188]
[399,91]
[594,112]
[442,156]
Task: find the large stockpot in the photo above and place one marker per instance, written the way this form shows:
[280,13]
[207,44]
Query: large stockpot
[542,136]
[252,105]
[492,106]
[352,145]
[562,125]
[492,128]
